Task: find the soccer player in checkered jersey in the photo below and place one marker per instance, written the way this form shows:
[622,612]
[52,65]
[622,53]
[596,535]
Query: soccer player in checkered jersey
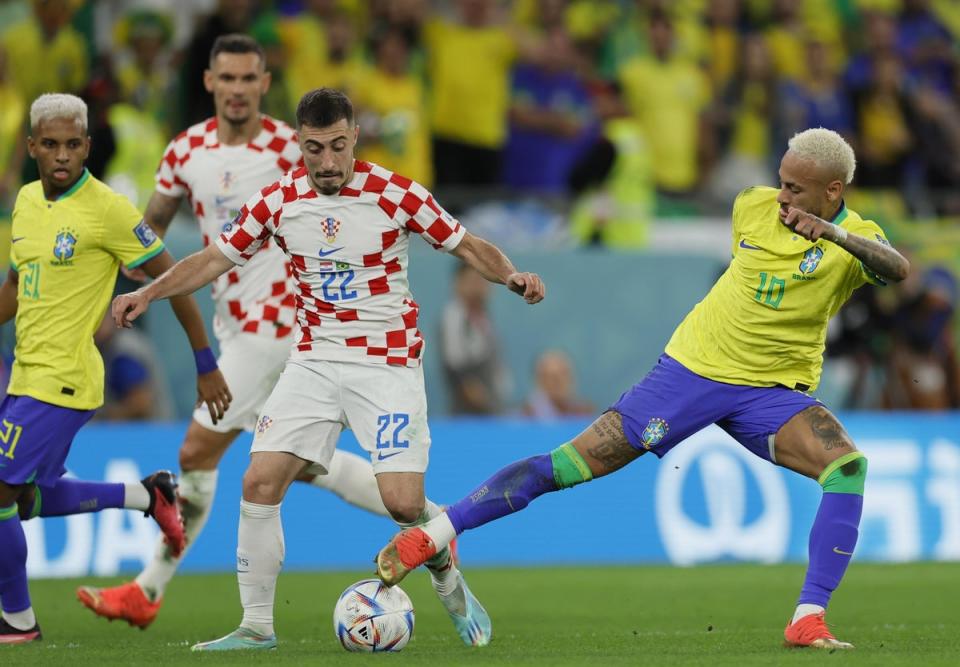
[745,359]
[70,234]
[216,165]
[345,225]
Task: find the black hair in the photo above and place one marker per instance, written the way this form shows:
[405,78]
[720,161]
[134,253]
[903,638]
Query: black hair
[236,43]
[323,107]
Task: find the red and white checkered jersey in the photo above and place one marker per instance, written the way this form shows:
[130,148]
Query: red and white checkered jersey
[349,256]
[218,179]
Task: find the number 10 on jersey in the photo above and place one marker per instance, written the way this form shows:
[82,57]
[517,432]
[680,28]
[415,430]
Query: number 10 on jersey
[770,291]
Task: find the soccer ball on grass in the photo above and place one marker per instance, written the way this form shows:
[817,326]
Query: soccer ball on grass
[372,617]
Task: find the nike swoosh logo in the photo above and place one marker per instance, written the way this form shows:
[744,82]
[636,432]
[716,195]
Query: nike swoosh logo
[17,238]
[837,550]
[381,456]
[744,244]
[324,253]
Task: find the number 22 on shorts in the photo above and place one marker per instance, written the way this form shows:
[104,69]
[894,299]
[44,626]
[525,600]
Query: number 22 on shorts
[399,421]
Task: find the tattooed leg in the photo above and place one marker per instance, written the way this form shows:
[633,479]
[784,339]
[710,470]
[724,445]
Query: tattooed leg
[811,440]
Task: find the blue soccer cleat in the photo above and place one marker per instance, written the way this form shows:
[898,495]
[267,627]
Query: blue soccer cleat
[475,628]
[238,640]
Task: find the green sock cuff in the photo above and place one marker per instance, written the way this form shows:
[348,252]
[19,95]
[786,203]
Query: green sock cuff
[35,510]
[569,468]
[847,474]
[8,512]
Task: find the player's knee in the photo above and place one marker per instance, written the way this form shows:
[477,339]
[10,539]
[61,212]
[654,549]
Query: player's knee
[404,510]
[847,474]
[262,488]
[197,455]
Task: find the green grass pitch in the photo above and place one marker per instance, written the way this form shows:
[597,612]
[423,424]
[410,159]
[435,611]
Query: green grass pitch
[718,615]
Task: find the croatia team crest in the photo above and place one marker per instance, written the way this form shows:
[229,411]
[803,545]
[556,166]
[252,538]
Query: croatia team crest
[64,246]
[811,260]
[655,431]
[330,227]
[263,424]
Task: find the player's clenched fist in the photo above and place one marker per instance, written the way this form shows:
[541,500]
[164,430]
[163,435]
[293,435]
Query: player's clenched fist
[808,225]
[128,307]
[527,285]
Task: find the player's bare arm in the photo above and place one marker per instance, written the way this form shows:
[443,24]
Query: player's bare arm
[8,297]
[881,258]
[185,277]
[212,388]
[496,267]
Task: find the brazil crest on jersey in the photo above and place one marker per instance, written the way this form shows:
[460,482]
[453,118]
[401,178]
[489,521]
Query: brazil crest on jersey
[67,253]
[764,322]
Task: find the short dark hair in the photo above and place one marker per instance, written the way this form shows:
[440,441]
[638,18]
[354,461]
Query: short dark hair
[236,43]
[323,107]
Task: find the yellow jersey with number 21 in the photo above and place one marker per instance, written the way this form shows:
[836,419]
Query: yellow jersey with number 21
[764,322]
[67,253]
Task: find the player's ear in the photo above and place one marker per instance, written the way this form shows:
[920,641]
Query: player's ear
[208,80]
[265,82]
[31,147]
[834,191]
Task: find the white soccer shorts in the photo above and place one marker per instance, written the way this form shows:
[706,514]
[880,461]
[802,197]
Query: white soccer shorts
[313,401]
[251,366]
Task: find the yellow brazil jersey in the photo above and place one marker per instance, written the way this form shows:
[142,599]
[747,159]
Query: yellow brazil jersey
[66,253]
[764,322]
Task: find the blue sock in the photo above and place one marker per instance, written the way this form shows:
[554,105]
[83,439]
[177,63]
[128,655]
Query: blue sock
[77,496]
[508,491]
[832,540]
[14,595]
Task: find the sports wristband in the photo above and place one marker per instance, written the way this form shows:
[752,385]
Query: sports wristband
[841,235]
[206,362]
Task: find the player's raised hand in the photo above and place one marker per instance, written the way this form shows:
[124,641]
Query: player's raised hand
[128,307]
[527,285]
[212,389]
[806,224]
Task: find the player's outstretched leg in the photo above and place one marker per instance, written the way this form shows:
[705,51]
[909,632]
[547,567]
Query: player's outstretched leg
[508,491]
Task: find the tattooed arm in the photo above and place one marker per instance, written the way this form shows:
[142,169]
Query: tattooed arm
[881,258]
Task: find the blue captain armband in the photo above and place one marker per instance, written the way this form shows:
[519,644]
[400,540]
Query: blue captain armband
[206,362]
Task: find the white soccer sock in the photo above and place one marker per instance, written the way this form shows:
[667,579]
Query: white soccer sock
[136,497]
[21,620]
[351,478]
[196,491]
[260,552]
[805,609]
[443,572]
[440,529]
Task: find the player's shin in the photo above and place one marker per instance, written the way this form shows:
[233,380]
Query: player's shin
[76,496]
[834,532]
[196,492]
[14,596]
[260,551]
[510,490]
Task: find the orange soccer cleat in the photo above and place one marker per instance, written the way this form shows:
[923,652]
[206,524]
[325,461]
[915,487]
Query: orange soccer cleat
[408,550]
[125,602]
[811,631]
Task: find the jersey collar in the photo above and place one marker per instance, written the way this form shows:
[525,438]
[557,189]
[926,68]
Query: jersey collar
[84,177]
[840,215]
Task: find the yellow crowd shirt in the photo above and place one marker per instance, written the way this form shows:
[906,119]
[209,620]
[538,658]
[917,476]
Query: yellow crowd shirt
[469,71]
[667,98]
[67,253]
[38,66]
[764,322]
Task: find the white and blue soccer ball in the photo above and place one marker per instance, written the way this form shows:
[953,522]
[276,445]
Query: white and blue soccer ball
[373,617]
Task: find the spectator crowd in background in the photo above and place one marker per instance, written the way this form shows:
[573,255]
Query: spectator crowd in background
[605,114]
